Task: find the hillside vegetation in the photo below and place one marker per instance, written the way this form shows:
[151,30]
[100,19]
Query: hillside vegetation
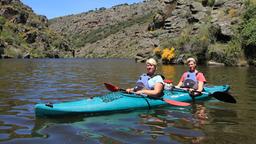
[23,34]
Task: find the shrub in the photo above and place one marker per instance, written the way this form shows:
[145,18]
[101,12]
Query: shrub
[2,20]
[248,33]
[208,2]
[248,30]
[167,55]
[250,11]
[228,54]
[13,52]
[216,52]
[233,52]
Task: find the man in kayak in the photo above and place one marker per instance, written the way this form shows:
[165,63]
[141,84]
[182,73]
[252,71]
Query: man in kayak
[149,83]
[193,80]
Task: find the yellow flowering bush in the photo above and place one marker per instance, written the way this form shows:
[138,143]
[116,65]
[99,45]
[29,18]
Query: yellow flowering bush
[168,54]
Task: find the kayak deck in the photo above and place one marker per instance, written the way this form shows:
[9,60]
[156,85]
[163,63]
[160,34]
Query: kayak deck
[119,101]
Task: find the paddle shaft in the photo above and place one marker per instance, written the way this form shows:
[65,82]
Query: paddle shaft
[144,95]
[171,102]
[221,96]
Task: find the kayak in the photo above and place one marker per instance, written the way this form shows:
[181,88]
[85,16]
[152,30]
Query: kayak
[121,101]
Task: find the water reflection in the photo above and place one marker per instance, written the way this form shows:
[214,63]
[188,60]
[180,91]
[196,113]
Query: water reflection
[23,83]
[154,126]
[168,71]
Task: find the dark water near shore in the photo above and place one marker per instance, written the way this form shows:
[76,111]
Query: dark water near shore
[23,83]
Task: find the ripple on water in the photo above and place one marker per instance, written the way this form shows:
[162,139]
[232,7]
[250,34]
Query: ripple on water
[5,127]
[17,122]
[4,136]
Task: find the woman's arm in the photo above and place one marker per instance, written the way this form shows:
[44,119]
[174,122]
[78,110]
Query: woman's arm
[157,91]
[179,84]
[200,86]
[201,80]
[181,80]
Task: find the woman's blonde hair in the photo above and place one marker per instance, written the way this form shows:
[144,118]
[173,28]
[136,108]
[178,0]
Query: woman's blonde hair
[191,59]
[151,61]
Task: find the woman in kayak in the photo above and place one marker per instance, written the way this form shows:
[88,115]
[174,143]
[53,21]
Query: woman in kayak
[193,80]
[149,83]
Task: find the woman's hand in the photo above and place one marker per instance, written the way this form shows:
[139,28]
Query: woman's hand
[191,90]
[140,92]
[129,90]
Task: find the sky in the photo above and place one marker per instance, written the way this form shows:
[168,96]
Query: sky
[57,8]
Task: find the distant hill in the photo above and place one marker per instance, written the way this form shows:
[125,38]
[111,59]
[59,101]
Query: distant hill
[23,34]
[210,30]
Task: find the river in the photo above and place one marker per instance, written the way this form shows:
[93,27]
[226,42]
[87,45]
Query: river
[26,82]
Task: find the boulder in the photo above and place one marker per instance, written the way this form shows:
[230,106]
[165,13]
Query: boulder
[26,56]
[183,2]
[43,19]
[5,2]
[21,18]
[180,60]
[198,17]
[182,11]
[31,37]
[219,3]
[8,12]
[175,24]
[158,20]
[196,7]
[143,55]
[214,63]
[2,46]
[169,1]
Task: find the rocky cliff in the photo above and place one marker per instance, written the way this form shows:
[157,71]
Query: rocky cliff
[23,34]
[209,30]
[120,31]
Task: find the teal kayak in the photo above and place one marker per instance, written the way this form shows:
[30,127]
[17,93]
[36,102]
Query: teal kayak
[120,101]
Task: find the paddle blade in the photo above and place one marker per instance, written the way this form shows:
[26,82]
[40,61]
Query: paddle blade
[176,103]
[111,87]
[223,96]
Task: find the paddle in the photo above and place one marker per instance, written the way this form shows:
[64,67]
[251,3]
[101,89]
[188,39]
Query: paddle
[113,88]
[221,96]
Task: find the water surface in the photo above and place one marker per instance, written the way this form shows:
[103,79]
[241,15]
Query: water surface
[24,83]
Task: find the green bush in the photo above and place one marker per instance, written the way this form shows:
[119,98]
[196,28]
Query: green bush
[250,11]
[208,2]
[248,33]
[229,53]
[248,28]
[233,53]
[216,52]
[2,20]
[7,37]
[37,53]
[13,52]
